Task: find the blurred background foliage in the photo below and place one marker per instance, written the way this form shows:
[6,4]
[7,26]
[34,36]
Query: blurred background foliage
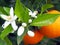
[33,5]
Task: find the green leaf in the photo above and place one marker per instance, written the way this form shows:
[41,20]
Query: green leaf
[44,19]
[7,10]
[2,11]
[21,11]
[20,38]
[45,7]
[2,42]
[1,28]
[8,42]
[5,32]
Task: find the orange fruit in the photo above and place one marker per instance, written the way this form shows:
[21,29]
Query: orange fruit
[52,30]
[33,40]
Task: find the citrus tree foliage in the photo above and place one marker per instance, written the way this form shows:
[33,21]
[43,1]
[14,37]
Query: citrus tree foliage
[21,11]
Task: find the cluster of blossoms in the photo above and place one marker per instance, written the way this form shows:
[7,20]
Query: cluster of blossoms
[11,20]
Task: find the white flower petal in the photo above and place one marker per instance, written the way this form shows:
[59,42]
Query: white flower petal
[31,33]
[35,17]
[5,24]
[20,31]
[11,12]
[4,16]
[30,13]
[35,13]
[14,25]
[15,17]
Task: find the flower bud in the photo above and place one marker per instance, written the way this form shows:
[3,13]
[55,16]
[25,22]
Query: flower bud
[20,31]
[31,33]
[30,20]
[24,24]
